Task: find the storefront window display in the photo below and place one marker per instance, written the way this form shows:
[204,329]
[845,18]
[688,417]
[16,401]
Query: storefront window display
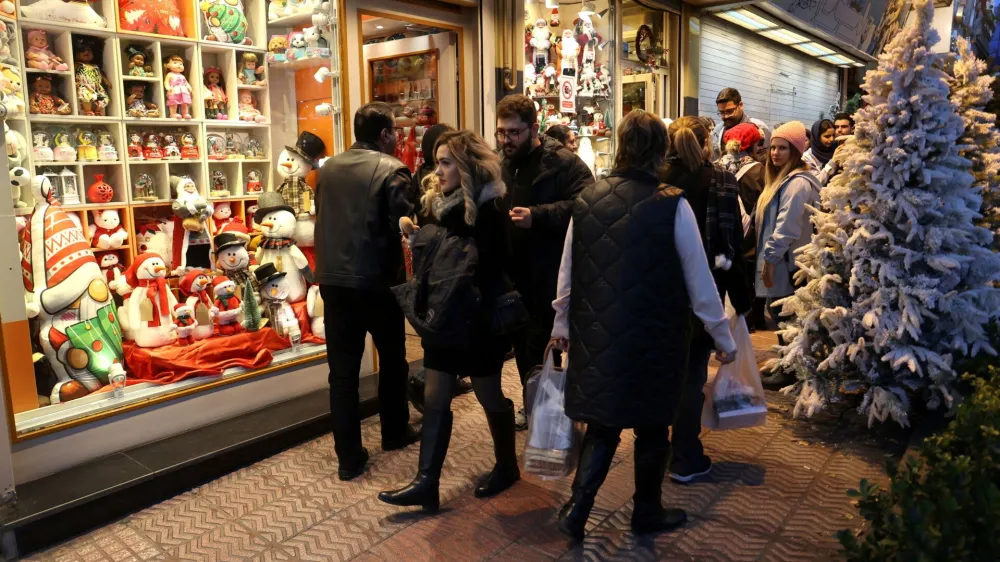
[162,174]
[568,71]
[648,63]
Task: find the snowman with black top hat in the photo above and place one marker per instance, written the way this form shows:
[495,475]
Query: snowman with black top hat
[274,296]
[294,164]
[277,223]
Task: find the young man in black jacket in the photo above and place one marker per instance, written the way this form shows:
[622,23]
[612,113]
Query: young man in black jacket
[543,180]
[360,197]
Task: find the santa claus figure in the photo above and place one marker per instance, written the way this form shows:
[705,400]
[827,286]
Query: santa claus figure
[228,304]
[222,216]
[569,51]
[192,247]
[194,287]
[540,42]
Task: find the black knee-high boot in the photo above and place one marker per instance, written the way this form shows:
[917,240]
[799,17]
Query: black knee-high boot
[648,515]
[505,472]
[423,490]
[595,461]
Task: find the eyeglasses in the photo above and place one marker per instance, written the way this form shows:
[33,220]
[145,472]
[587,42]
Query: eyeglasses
[725,114]
[502,134]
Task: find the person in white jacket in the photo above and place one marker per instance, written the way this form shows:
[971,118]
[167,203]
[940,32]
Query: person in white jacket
[632,268]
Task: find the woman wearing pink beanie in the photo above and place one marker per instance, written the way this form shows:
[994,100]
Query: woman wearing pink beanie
[782,218]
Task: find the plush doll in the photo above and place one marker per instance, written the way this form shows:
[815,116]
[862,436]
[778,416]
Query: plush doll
[222,216]
[43,101]
[317,312]
[185,322]
[226,20]
[274,297]
[11,87]
[233,259]
[92,85]
[17,147]
[215,94]
[178,88]
[228,305]
[251,73]
[19,179]
[192,247]
[194,287]
[294,164]
[112,268]
[106,230]
[296,45]
[277,9]
[540,42]
[588,81]
[76,323]
[39,55]
[277,222]
[146,315]
[314,40]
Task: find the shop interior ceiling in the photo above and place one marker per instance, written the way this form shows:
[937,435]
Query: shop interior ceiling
[378,27]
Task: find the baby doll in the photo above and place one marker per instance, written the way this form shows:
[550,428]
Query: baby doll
[137,62]
[137,104]
[92,85]
[39,55]
[248,108]
[43,101]
[178,88]
[215,94]
[250,73]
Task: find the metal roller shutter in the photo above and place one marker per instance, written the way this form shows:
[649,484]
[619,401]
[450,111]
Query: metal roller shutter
[777,83]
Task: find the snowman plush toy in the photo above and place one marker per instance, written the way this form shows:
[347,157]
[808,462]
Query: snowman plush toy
[294,164]
[233,259]
[277,223]
[274,295]
[147,315]
[106,230]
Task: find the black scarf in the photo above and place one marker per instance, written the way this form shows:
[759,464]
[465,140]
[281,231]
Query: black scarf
[822,154]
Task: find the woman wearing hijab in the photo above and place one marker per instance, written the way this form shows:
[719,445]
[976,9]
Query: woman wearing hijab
[820,154]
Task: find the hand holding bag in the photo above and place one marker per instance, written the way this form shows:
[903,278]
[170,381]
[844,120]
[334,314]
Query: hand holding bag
[551,449]
[735,398]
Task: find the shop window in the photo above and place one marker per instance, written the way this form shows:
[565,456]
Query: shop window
[153,161]
[649,59]
[568,70]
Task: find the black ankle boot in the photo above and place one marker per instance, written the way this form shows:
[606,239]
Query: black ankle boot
[648,514]
[505,471]
[423,490]
[595,461]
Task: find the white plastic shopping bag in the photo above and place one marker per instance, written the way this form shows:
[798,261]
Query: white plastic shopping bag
[551,448]
[735,398]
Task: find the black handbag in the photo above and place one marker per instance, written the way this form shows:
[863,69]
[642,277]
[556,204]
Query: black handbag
[509,311]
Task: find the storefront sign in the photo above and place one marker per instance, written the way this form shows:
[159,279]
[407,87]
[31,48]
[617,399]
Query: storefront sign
[567,94]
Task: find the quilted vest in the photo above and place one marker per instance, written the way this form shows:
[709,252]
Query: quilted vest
[628,306]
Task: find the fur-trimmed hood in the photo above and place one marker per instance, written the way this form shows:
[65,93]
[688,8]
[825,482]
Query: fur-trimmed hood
[442,204]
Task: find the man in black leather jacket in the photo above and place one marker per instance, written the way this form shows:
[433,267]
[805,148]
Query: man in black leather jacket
[360,197]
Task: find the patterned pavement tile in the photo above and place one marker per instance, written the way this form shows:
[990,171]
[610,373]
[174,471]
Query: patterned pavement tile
[518,552]
[283,518]
[241,492]
[177,521]
[333,540]
[756,510]
[230,541]
[441,538]
[303,467]
[710,540]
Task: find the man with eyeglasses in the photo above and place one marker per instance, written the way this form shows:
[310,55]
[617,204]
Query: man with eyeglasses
[730,106]
[543,180]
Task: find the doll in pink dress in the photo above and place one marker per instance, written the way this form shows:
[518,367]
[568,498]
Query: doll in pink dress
[215,95]
[177,87]
[39,55]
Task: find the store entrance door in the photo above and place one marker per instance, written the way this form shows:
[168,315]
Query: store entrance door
[649,71]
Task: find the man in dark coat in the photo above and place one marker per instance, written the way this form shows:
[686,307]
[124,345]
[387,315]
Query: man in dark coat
[543,180]
[360,197]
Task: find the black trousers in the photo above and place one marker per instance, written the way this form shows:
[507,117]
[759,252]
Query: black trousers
[687,447]
[350,314]
[652,449]
[530,343]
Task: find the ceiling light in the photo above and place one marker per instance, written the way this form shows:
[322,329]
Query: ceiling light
[837,59]
[813,49]
[379,27]
[747,19]
[784,36]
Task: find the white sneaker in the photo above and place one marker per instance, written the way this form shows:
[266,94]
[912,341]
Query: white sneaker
[520,420]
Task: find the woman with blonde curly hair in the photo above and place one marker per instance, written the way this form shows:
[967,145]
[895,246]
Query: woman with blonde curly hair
[465,196]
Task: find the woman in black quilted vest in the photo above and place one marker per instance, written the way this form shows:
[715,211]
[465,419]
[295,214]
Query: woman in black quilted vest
[636,265]
[465,195]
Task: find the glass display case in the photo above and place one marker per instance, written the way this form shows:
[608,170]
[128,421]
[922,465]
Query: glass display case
[163,192]
[408,82]
[568,70]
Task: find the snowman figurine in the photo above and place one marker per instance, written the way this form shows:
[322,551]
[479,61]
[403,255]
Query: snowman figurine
[277,223]
[274,295]
[233,259]
[228,304]
[146,315]
[112,268]
[185,322]
[294,164]
[194,288]
[317,313]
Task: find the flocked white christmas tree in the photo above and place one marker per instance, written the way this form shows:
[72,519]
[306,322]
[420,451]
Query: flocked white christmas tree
[897,275]
[971,91]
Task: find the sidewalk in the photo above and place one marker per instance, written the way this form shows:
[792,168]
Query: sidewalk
[777,492]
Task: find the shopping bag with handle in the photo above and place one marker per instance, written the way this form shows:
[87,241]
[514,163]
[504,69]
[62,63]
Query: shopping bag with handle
[551,449]
[735,398]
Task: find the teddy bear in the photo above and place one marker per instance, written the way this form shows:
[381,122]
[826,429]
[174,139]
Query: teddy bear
[106,230]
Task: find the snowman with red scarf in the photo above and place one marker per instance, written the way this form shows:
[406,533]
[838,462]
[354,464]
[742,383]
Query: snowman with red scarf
[147,315]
